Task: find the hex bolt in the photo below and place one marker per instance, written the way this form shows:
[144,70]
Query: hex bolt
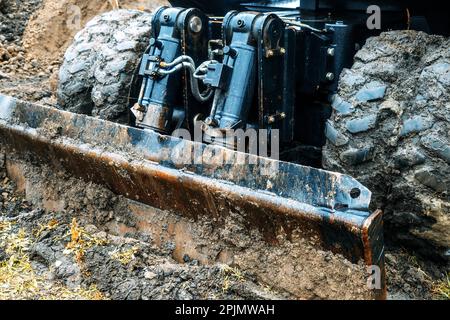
[279,116]
[271,119]
[331,52]
[241,23]
[330,76]
[211,122]
[156,43]
[230,52]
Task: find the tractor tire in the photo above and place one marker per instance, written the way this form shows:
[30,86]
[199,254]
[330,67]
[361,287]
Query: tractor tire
[95,76]
[390,129]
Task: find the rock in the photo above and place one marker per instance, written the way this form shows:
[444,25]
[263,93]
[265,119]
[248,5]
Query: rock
[11,49]
[4,54]
[184,295]
[34,63]
[150,275]
[4,76]
[3,255]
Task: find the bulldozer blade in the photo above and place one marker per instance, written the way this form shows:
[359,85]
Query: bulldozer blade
[186,177]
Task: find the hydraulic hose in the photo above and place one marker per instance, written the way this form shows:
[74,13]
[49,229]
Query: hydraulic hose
[301,25]
[201,97]
[177,61]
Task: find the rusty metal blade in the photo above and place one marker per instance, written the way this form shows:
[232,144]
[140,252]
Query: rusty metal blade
[145,166]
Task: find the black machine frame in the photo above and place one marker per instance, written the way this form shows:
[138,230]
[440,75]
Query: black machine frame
[270,65]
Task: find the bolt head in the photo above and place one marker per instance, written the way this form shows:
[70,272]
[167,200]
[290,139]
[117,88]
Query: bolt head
[330,76]
[211,122]
[331,52]
[195,24]
[230,51]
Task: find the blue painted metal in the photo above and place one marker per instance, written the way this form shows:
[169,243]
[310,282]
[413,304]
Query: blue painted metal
[240,57]
[158,107]
[156,99]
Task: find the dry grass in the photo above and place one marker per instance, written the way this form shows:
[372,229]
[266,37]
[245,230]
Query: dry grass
[51,225]
[442,288]
[80,241]
[19,281]
[125,256]
[231,275]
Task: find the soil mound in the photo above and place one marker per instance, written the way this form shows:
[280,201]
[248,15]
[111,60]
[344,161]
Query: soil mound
[52,28]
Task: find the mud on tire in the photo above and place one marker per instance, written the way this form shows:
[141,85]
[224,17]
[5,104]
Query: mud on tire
[96,73]
[390,129]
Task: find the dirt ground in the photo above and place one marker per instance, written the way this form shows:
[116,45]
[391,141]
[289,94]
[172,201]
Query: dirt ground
[63,255]
[34,36]
[51,255]
[221,259]
[52,28]
[91,247]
